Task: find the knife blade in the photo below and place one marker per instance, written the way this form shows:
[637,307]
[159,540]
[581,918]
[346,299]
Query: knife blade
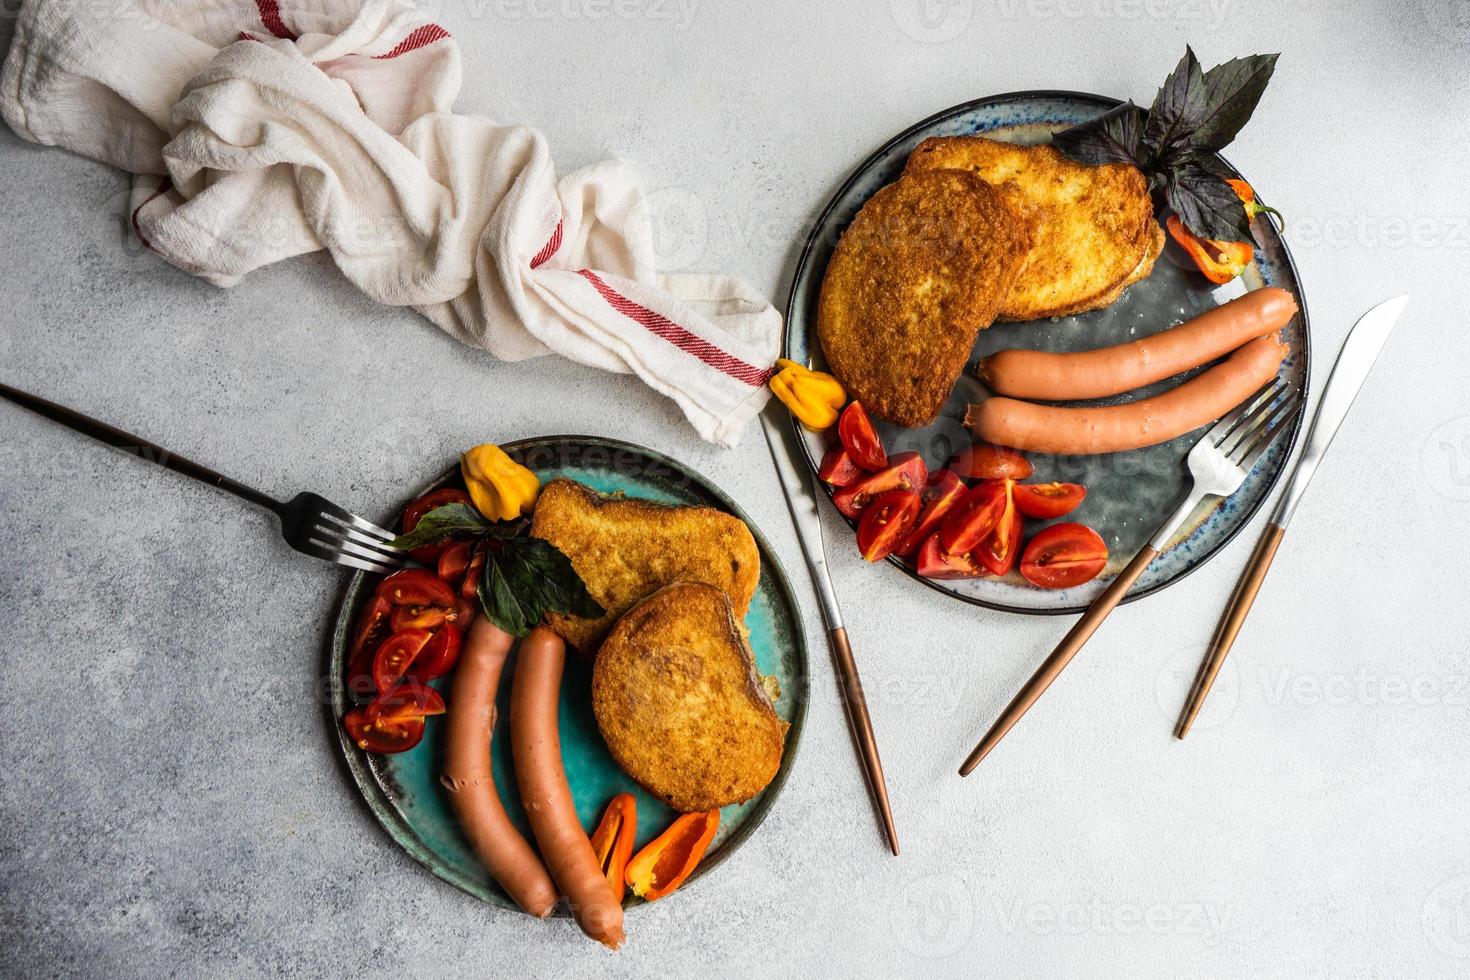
[799,488]
[1356,359]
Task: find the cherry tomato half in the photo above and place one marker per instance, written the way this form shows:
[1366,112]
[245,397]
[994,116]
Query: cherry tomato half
[1064,555]
[469,587]
[396,656]
[454,561]
[430,553]
[420,617]
[982,461]
[1044,501]
[860,439]
[438,656]
[1000,549]
[416,587]
[411,699]
[837,467]
[383,734]
[907,472]
[372,629]
[941,493]
[886,521]
[975,516]
[935,562]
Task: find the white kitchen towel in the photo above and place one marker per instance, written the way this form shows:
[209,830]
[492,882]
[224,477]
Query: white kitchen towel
[262,129]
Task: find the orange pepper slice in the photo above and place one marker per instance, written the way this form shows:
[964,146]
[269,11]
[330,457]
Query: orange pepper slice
[1219,261]
[672,856]
[612,841]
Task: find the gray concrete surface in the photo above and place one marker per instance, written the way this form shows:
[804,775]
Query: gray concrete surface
[170,801]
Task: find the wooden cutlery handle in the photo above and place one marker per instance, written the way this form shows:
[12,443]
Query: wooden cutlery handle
[1230,623]
[862,730]
[1061,656]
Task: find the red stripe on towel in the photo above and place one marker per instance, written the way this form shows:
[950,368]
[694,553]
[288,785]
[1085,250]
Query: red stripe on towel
[421,37]
[690,343]
[270,16]
[549,249]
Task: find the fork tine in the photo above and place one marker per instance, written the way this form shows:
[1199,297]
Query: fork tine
[349,533]
[1227,425]
[337,538]
[344,516]
[320,551]
[1245,432]
[1274,426]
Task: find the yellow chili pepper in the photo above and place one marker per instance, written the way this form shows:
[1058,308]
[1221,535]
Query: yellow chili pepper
[501,488]
[814,397]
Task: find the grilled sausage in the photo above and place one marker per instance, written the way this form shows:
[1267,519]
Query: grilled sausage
[469,723]
[1116,428]
[536,746]
[1113,370]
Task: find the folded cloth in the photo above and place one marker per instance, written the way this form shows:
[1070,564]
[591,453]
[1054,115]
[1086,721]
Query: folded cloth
[262,129]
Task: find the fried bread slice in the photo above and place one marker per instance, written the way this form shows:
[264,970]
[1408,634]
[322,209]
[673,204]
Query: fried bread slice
[625,549]
[680,703]
[921,270]
[1092,225]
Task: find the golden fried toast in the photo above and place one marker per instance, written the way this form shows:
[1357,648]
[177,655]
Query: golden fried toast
[626,549]
[921,270]
[680,703]
[1092,226]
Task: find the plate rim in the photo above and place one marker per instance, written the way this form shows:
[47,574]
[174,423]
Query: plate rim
[1104,102]
[364,773]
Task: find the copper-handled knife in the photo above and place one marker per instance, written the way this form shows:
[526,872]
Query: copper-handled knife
[1359,352]
[801,498]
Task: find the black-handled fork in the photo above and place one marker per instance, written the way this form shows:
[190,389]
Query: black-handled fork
[310,523]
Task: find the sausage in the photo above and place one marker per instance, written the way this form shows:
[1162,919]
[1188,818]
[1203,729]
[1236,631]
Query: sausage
[536,746]
[469,723]
[1113,370]
[1115,428]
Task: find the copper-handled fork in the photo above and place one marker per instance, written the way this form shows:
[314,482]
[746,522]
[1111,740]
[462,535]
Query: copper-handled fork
[1218,465]
[310,523]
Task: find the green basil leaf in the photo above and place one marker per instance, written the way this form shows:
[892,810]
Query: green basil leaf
[1178,108]
[525,579]
[1116,136]
[1206,204]
[443,522]
[1234,89]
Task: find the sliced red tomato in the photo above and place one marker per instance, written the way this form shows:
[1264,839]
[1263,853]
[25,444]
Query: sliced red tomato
[396,656]
[454,561]
[430,553]
[464,613]
[1064,555]
[860,439]
[416,587]
[372,629]
[420,617]
[383,734]
[906,472]
[886,521]
[470,587]
[1000,549]
[837,467]
[411,699]
[982,461]
[1044,501]
[934,562]
[438,656]
[977,513]
[941,493]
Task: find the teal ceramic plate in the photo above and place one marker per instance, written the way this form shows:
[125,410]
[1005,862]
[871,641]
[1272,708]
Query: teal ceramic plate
[1128,494]
[403,790]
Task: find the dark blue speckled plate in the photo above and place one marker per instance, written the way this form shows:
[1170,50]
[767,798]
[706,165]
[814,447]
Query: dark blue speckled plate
[403,791]
[1128,493]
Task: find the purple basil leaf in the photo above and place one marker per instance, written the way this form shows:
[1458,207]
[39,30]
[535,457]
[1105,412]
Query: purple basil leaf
[1116,136]
[1180,105]
[1207,205]
[1234,89]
